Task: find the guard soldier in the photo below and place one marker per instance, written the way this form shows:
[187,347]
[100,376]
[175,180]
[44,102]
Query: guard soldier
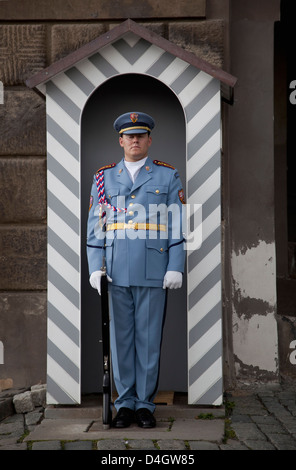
[135,222]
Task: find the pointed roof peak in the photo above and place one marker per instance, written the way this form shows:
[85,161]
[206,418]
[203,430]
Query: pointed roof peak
[116,33]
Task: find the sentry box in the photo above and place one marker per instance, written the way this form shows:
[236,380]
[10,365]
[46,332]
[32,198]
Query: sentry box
[125,69]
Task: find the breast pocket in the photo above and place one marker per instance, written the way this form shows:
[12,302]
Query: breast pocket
[157,194]
[157,205]
[112,195]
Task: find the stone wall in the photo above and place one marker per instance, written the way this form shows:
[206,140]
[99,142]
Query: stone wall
[33,35]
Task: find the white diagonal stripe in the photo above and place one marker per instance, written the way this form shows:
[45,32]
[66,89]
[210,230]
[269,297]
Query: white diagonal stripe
[204,154]
[63,231]
[204,344]
[194,88]
[90,71]
[204,116]
[204,305]
[212,222]
[70,89]
[116,59]
[148,59]
[209,187]
[205,382]
[63,119]
[63,342]
[63,268]
[204,267]
[63,305]
[63,379]
[63,157]
[173,71]
[63,193]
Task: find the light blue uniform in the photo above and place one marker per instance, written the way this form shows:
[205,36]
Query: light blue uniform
[141,242]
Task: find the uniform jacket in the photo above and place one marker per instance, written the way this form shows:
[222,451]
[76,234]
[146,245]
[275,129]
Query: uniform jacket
[137,257]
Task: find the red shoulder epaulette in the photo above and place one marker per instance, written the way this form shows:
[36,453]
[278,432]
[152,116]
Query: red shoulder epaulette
[106,167]
[157,162]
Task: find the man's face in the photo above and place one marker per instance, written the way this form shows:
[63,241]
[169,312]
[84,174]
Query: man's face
[135,146]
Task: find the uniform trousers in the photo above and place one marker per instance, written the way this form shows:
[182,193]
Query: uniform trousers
[136,326]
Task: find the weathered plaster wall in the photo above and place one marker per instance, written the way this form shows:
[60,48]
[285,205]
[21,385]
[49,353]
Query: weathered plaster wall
[255,341]
[250,191]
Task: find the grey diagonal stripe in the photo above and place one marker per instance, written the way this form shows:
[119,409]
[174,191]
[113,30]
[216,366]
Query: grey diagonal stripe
[211,204]
[63,212]
[63,324]
[161,64]
[203,136]
[80,80]
[57,393]
[184,79]
[63,101]
[63,286]
[205,324]
[63,249]
[62,137]
[63,175]
[204,173]
[204,286]
[131,53]
[212,394]
[205,362]
[201,99]
[103,65]
[60,358]
[208,245]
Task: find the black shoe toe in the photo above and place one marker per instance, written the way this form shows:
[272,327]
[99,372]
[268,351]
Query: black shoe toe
[124,418]
[145,418]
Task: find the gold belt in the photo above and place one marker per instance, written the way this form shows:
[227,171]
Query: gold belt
[136,226]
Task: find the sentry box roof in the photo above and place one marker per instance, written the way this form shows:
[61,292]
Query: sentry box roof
[227,80]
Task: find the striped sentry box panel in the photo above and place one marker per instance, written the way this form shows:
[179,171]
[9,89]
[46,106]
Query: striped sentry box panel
[66,96]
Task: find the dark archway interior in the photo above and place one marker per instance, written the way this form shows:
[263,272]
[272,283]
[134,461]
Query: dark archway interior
[120,94]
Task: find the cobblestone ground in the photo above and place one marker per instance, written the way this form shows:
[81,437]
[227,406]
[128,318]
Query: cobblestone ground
[265,420]
[260,420]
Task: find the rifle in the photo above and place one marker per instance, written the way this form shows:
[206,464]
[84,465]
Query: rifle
[107,412]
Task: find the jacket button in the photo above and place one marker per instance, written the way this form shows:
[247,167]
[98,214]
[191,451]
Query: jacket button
[130,213]
[157,191]
[133,196]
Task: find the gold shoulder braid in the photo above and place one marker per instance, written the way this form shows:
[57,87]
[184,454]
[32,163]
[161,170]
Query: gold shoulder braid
[167,165]
[106,167]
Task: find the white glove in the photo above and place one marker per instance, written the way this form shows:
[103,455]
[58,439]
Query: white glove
[172,280]
[95,280]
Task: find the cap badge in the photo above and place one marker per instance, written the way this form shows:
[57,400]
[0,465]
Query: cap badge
[134,117]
